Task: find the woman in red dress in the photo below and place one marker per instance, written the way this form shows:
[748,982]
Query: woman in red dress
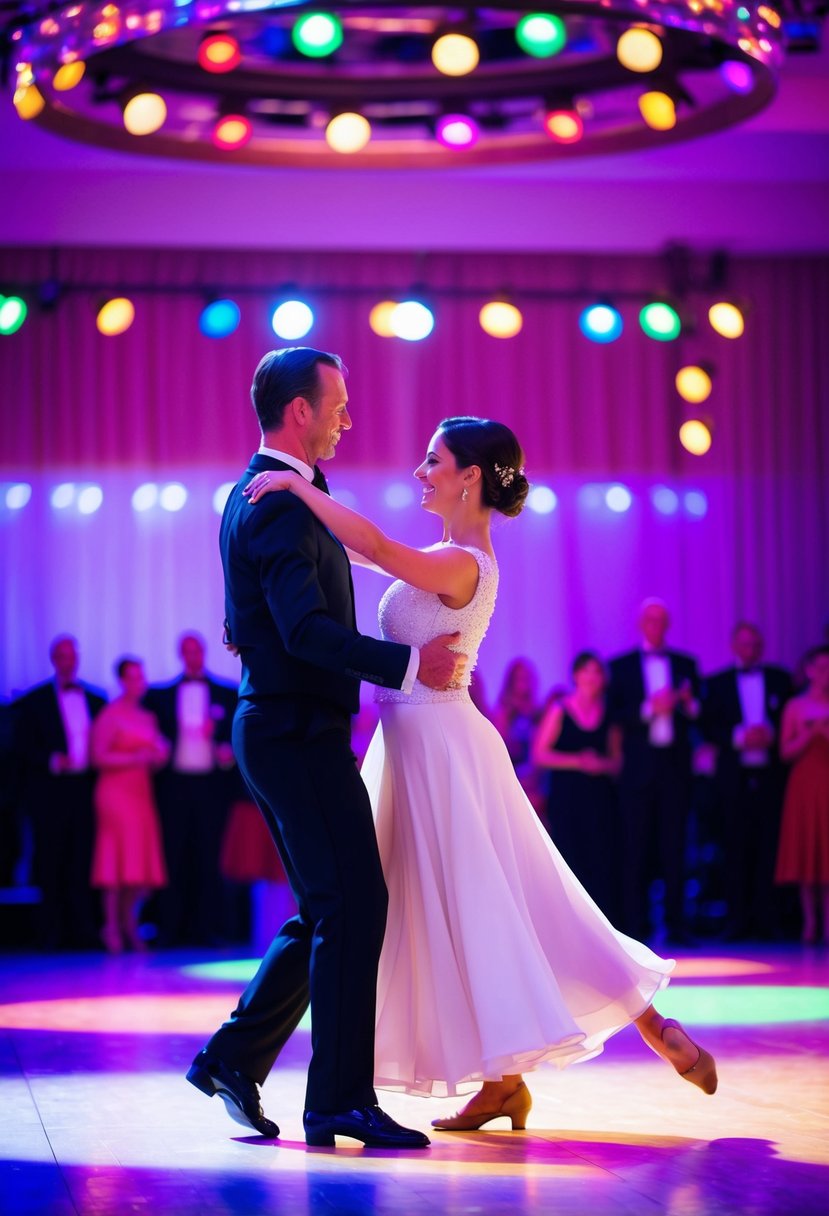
[128,860]
[803,852]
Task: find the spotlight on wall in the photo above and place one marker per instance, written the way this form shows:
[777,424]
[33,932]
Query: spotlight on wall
[145,497]
[219,318]
[13,312]
[665,500]
[172,496]
[618,498]
[694,382]
[115,316]
[500,319]
[380,318]
[89,499]
[221,496]
[660,320]
[727,319]
[542,500]
[695,436]
[17,495]
[601,322]
[412,320]
[292,319]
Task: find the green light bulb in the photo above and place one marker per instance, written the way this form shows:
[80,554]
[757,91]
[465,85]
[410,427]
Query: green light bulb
[317,34]
[541,34]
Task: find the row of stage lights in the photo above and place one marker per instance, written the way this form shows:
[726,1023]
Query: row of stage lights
[411,320]
[87,498]
[319,35]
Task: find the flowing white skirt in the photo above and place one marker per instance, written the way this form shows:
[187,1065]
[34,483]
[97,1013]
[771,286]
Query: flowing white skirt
[495,957]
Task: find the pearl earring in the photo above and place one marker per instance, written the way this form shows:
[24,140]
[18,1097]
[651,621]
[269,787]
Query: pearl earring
[465,494]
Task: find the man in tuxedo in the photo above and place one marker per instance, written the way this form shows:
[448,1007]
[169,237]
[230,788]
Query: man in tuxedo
[52,723]
[654,697]
[741,713]
[290,615]
[195,713]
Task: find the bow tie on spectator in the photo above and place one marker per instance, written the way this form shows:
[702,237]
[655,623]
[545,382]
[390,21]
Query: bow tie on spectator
[193,679]
[319,480]
[71,686]
[749,671]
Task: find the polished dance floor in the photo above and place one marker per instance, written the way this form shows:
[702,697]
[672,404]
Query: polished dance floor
[96,1116]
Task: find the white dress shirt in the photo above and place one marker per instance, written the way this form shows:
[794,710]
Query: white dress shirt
[308,473]
[751,689]
[194,742]
[656,672]
[74,713]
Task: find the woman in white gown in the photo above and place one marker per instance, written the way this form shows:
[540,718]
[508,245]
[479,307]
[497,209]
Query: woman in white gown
[495,957]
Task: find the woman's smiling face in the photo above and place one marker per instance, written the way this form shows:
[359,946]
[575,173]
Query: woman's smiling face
[440,478]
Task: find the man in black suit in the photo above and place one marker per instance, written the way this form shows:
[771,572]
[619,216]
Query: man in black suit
[654,697]
[195,713]
[741,713]
[52,723]
[290,614]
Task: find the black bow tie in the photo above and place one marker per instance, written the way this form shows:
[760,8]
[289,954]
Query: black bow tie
[72,686]
[319,480]
[748,671]
[193,679]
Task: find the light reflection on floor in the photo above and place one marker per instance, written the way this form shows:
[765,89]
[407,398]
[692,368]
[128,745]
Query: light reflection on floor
[95,1116]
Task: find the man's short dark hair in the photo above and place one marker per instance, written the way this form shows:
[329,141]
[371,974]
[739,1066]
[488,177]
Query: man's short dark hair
[285,374]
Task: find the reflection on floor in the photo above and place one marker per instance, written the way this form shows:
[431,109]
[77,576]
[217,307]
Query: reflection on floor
[96,1117]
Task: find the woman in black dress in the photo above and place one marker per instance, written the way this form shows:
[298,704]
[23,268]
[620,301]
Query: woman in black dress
[583,754]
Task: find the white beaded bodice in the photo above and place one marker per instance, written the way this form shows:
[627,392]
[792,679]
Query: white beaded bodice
[415,617]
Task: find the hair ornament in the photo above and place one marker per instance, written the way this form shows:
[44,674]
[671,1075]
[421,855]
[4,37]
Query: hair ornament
[506,474]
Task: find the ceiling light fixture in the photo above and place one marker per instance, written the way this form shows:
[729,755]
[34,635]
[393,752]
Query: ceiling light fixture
[292,69]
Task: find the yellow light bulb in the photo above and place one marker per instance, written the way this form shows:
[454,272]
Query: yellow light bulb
[144,113]
[348,133]
[693,383]
[455,55]
[639,50]
[726,319]
[116,316]
[380,318]
[69,75]
[695,437]
[500,319]
[29,101]
[658,111]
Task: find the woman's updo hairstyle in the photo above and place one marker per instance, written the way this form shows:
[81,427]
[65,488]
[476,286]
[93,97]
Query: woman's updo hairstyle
[497,453]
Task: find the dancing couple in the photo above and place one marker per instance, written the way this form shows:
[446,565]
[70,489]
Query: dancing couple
[441,940]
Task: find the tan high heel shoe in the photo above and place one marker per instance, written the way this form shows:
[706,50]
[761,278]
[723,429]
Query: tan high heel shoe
[703,1073]
[515,1108]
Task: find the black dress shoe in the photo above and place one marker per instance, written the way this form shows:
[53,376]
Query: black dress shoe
[240,1093]
[370,1124]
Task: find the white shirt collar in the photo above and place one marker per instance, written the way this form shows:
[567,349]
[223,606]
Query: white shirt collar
[301,467]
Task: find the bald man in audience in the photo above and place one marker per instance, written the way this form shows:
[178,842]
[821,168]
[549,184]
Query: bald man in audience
[52,722]
[654,697]
[741,713]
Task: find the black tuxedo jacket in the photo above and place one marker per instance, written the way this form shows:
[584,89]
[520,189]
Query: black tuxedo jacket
[38,727]
[722,712]
[289,604]
[627,692]
[162,700]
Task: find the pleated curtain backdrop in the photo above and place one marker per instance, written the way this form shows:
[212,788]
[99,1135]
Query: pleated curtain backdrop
[163,403]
